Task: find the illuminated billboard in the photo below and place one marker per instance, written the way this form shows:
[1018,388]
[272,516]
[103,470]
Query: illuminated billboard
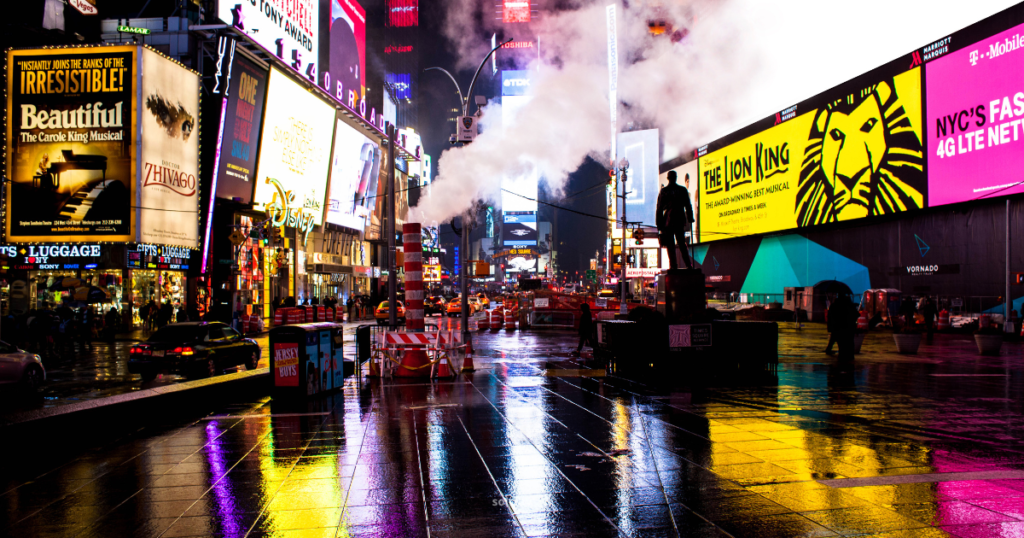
[401,83]
[515,11]
[242,114]
[288,29]
[348,46]
[355,168]
[851,153]
[170,153]
[71,144]
[295,149]
[519,193]
[403,13]
[519,229]
[640,149]
[975,105]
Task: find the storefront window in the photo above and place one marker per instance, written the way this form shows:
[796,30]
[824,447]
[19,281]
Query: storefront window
[111,282]
[45,290]
[251,297]
[157,286]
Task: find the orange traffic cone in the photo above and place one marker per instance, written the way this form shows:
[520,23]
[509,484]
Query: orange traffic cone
[467,365]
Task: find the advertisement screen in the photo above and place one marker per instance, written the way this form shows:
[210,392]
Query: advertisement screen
[857,156]
[348,46]
[640,149]
[71,144]
[520,229]
[286,28]
[295,148]
[686,176]
[519,193]
[355,168]
[403,13]
[975,105]
[242,116]
[515,11]
[170,153]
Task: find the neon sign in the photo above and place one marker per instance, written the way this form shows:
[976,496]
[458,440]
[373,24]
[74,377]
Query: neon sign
[282,211]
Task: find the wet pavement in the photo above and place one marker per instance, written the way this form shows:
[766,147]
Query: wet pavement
[923,445]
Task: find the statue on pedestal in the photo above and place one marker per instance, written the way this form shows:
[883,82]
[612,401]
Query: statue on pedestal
[674,218]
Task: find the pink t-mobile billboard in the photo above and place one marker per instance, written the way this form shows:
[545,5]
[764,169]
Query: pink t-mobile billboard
[975,111]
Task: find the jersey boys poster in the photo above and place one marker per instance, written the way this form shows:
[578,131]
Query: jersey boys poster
[170,153]
[71,152]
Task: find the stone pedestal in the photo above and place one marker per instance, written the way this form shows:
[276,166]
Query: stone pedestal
[683,293]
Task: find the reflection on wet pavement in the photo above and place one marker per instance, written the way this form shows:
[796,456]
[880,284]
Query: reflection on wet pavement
[507,451]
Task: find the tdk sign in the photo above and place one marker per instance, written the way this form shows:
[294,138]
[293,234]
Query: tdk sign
[515,82]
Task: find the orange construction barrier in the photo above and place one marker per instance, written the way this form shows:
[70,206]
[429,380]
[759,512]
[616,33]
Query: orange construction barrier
[943,320]
[862,321]
[467,364]
[484,323]
[497,319]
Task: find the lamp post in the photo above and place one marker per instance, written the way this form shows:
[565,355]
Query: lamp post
[464,105]
[623,173]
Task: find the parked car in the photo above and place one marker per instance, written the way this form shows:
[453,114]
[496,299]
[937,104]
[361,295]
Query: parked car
[193,349]
[20,367]
[475,305]
[485,303]
[433,305]
[382,313]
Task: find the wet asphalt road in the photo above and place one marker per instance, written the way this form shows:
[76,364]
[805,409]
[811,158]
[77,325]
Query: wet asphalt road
[925,445]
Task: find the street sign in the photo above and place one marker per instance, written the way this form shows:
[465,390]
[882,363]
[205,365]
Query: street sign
[591,274]
[85,7]
[236,238]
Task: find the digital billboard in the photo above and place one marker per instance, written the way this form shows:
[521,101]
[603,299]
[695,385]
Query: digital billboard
[519,229]
[239,136]
[975,104]
[403,13]
[515,11]
[170,153]
[850,153]
[287,28]
[640,149]
[348,46]
[519,193]
[355,168]
[295,149]
[71,145]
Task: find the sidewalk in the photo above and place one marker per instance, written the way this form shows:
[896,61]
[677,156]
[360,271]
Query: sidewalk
[926,445]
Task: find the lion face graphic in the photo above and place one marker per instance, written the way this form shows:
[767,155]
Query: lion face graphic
[863,158]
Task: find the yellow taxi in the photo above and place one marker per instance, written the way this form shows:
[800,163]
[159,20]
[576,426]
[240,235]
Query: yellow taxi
[382,313]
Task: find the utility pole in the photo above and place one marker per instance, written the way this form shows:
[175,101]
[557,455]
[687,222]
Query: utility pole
[392,275]
[623,168]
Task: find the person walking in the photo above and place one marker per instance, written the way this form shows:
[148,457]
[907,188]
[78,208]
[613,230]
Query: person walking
[908,310]
[929,312]
[842,315]
[110,324]
[586,328]
[831,331]
[673,218]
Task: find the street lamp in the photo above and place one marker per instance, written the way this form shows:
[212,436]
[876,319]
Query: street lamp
[464,104]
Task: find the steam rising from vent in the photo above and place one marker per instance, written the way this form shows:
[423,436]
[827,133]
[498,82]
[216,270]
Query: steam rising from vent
[723,65]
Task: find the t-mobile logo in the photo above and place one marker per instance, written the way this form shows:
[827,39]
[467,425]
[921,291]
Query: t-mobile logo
[974,57]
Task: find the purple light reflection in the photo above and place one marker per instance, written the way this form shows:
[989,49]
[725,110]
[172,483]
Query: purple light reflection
[225,500]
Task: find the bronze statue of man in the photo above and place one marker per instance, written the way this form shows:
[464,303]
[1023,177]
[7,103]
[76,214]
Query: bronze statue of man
[674,217]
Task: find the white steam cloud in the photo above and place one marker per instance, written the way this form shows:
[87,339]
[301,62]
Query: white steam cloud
[740,60]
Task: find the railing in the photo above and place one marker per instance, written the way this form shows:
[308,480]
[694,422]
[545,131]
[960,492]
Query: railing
[552,319]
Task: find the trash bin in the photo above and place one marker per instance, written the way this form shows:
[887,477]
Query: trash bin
[308,358]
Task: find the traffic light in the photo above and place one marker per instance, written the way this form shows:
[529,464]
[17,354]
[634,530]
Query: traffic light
[275,234]
[638,236]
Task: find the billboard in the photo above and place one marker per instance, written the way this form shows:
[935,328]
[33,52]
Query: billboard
[519,194]
[355,168]
[687,177]
[71,146]
[295,150]
[515,11]
[640,148]
[403,13]
[348,46]
[285,28]
[519,229]
[242,114]
[974,106]
[850,153]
